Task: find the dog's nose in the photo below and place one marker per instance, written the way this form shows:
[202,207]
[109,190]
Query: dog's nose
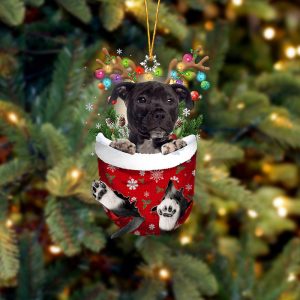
[159,115]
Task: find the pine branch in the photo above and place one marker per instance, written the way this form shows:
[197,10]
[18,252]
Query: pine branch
[12,12]
[112,14]
[12,171]
[9,263]
[77,8]
[148,290]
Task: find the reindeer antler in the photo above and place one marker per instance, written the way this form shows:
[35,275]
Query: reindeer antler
[116,64]
[188,65]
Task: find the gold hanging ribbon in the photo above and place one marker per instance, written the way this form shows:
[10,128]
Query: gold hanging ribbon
[151,43]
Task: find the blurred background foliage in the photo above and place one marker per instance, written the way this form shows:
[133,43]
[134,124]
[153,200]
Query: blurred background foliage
[242,239]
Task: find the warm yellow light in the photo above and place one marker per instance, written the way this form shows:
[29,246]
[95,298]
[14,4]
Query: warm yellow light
[290,52]
[209,25]
[252,214]
[75,173]
[222,211]
[292,277]
[267,168]
[131,3]
[164,274]
[108,69]
[259,232]
[273,116]
[278,66]
[298,50]
[237,2]
[278,201]
[12,117]
[269,33]
[282,212]
[9,223]
[148,76]
[241,105]
[185,239]
[54,249]
[207,157]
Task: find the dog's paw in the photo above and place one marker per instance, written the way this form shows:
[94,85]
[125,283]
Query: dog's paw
[173,146]
[167,211]
[124,146]
[99,189]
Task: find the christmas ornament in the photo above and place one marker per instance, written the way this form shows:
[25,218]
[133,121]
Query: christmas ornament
[201,76]
[108,69]
[101,86]
[121,121]
[188,75]
[116,78]
[195,95]
[107,82]
[100,74]
[205,85]
[139,70]
[187,57]
[150,64]
[125,62]
[180,66]
[158,72]
[174,74]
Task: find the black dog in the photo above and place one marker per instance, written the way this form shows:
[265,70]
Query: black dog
[152,111]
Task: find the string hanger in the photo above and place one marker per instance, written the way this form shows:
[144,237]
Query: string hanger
[151,42]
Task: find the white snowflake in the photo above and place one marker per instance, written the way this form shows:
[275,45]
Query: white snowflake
[188,187]
[92,153]
[186,112]
[133,199]
[111,168]
[157,175]
[132,184]
[194,172]
[119,51]
[142,173]
[137,232]
[175,178]
[154,62]
[146,194]
[151,226]
[89,106]
[98,125]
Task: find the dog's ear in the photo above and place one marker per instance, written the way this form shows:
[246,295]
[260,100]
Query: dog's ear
[183,94]
[121,90]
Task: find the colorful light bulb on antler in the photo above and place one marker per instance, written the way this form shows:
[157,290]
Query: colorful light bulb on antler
[187,64]
[117,65]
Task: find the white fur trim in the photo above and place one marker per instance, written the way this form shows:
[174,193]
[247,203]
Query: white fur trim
[145,162]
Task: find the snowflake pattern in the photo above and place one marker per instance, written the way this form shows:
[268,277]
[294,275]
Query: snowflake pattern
[89,106]
[155,64]
[92,153]
[194,172]
[133,199]
[132,184]
[119,51]
[188,187]
[98,125]
[111,168]
[151,226]
[142,173]
[157,175]
[146,194]
[175,178]
[137,232]
[186,112]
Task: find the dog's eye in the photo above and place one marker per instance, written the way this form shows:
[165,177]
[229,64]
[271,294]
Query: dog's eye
[170,100]
[141,99]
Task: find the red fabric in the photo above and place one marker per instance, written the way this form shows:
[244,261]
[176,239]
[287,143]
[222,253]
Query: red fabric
[147,189]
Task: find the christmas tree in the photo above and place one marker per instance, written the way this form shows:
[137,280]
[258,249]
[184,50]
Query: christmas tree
[241,241]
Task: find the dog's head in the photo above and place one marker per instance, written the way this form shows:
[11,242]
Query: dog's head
[152,107]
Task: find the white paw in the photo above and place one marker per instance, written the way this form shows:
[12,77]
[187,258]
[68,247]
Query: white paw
[99,189]
[168,211]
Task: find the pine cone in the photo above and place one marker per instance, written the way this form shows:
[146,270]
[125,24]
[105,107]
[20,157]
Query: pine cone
[121,121]
[109,122]
[178,123]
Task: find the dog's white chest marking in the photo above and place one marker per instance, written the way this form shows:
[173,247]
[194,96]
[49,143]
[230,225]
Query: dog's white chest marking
[147,147]
[168,211]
